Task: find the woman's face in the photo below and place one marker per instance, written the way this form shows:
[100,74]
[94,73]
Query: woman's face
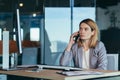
[85,31]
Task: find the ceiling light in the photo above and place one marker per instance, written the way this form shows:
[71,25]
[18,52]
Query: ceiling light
[21,4]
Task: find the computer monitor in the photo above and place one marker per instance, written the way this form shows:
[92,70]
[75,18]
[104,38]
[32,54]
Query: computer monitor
[14,59]
[18,32]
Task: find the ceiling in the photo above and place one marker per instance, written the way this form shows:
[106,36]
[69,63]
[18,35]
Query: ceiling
[29,5]
[106,3]
[37,5]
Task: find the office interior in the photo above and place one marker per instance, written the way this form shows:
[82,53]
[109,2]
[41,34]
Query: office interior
[46,26]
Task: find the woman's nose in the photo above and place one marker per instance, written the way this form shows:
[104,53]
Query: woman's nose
[82,31]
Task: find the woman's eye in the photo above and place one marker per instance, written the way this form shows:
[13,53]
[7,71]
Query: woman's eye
[86,29]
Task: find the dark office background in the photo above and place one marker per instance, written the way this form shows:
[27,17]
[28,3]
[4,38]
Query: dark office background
[107,17]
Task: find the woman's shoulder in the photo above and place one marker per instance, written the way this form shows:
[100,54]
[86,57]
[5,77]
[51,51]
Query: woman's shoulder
[100,45]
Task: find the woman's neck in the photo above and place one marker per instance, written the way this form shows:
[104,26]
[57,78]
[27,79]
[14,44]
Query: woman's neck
[85,44]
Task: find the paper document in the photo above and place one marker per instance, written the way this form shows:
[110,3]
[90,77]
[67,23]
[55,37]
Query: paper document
[75,73]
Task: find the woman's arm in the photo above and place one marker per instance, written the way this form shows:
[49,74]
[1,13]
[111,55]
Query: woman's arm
[102,57]
[66,58]
[68,54]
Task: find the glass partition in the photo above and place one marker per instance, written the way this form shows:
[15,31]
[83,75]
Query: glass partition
[57,26]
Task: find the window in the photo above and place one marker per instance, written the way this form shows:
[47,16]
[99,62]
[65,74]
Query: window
[81,13]
[34,34]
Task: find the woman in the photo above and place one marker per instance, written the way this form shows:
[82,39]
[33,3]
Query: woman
[87,52]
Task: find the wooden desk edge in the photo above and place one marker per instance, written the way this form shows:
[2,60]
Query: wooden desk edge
[51,74]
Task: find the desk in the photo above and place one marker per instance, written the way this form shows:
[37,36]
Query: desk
[51,74]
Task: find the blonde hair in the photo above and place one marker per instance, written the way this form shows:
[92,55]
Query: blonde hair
[94,27]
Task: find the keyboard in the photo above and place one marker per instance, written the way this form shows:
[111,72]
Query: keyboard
[40,67]
[58,67]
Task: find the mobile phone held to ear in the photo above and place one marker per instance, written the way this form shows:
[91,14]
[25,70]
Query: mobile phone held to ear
[76,38]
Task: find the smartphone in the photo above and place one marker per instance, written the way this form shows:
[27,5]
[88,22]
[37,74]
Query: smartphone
[76,38]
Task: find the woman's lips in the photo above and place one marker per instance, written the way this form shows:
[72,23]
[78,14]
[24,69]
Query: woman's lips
[81,35]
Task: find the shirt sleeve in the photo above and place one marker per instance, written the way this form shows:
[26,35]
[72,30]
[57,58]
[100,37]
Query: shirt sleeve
[66,58]
[102,57]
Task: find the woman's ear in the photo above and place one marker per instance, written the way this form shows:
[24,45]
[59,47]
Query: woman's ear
[93,32]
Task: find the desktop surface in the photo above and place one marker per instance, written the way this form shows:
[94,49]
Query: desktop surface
[53,74]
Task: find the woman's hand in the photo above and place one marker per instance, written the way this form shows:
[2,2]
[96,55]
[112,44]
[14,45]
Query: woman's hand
[72,40]
[72,37]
